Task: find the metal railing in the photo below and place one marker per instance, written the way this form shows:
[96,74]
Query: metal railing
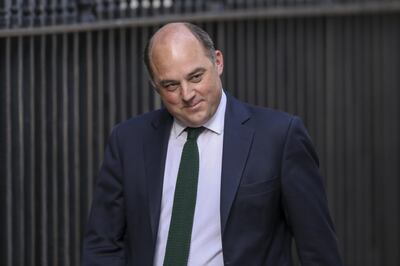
[34,13]
[64,84]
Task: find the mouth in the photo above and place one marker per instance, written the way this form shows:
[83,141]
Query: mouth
[193,107]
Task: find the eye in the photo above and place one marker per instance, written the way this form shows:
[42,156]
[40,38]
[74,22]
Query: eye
[171,86]
[196,78]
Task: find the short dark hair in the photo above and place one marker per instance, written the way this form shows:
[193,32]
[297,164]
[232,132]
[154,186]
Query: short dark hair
[200,34]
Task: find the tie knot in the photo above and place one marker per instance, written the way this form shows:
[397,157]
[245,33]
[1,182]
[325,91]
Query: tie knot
[193,132]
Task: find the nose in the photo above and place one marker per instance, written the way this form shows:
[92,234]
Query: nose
[187,92]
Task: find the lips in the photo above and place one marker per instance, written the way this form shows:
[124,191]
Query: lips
[193,106]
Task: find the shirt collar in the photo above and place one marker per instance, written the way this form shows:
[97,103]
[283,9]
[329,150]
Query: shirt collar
[214,124]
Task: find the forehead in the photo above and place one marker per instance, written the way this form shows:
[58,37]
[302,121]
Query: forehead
[177,53]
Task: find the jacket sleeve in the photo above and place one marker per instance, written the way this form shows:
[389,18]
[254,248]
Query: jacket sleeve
[305,201]
[103,242]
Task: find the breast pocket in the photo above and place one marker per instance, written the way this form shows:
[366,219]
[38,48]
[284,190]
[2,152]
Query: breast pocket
[259,188]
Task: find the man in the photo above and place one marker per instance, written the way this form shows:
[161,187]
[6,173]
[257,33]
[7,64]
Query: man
[256,180]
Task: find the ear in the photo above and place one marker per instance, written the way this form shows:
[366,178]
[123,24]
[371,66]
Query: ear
[219,61]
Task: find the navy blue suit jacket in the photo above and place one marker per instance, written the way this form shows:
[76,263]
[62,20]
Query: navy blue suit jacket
[271,191]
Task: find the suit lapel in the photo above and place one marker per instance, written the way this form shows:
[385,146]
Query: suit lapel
[155,151]
[237,142]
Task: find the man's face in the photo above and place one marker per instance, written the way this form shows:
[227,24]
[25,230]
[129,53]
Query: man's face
[187,80]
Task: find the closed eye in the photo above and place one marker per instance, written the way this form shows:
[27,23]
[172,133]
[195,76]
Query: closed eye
[196,77]
[170,86]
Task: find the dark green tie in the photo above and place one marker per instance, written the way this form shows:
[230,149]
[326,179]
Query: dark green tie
[180,229]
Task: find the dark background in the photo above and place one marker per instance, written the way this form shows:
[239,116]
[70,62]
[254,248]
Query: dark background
[70,70]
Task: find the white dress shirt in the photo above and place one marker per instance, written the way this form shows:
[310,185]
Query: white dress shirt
[206,243]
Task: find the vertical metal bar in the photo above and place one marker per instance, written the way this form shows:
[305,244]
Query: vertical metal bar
[352,163]
[44,188]
[156,97]
[271,67]
[78,201]
[3,145]
[261,70]
[220,42]
[133,76]
[54,152]
[89,105]
[111,79]
[358,134]
[65,186]
[290,65]
[241,57]
[100,115]
[300,67]
[347,74]
[339,139]
[8,157]
[309,76]
[280,63]
[145,87]
[19,165]
[367,156]
[319,77]
[377,150]
[395,115]
[31,158]
[396,112]
[81,43]
[230,70]
[330,63]
[121,84]
[390,60]
[222,45]
[249,68]
[378,116]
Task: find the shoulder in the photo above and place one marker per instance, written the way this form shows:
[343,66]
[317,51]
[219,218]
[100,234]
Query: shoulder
[141,124]
[273,123]
[260,117]
[270,114]
[266,123]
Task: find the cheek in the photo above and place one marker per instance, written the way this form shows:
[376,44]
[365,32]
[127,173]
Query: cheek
[170,99]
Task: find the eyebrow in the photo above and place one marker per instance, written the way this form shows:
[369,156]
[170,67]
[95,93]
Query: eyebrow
[163,83]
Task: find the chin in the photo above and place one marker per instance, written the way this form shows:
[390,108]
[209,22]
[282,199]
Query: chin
[195,121]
